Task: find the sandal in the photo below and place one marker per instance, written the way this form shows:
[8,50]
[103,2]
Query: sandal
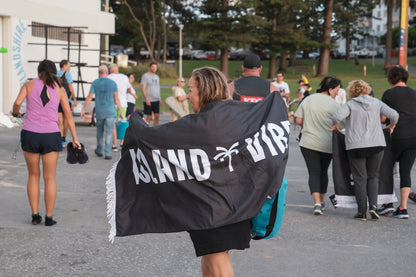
[412,196]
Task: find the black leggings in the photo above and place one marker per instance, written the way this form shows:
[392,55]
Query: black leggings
[404,151]
[317,164]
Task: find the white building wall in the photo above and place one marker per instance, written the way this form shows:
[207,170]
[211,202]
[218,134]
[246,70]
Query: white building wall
[379,20]
[1,65]
[17,37]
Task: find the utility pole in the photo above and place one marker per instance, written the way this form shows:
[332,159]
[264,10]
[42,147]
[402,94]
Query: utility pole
[404,23]
[180,50]
[374,45]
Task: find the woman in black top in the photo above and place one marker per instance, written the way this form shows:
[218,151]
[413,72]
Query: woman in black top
[403,100]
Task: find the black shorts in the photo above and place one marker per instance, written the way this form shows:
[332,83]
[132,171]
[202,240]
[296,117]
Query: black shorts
[40,143]
[130,108]
[154,107]
[60,107]
[233,236]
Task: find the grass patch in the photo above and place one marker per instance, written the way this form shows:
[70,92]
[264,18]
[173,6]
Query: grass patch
[164,93]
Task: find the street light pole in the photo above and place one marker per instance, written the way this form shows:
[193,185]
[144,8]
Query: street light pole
[180,50]
[374,46]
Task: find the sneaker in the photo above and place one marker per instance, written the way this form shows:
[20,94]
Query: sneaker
[360,216]
[98,153]
[108,158]
[36,219]
[114,148]
[323,206]
[373,213]
[412,196]
[401,213]
[317,210]
[386,209]
[49,221]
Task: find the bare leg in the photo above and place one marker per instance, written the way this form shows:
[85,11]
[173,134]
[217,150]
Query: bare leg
[216,265]
[322,197]
[149,118]
[156,122]
[33,190]
[114,135]
[316,198]
[49,162]
[404,195]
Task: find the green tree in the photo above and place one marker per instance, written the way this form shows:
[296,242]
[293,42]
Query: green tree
[326,38]
[396,37]
[151,24]
[223,24]
[350,16]
[145,14]
[281,29]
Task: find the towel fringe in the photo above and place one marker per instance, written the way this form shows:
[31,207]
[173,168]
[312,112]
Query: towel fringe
[111,201]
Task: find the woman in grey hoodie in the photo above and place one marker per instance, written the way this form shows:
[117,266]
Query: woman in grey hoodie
[364,141]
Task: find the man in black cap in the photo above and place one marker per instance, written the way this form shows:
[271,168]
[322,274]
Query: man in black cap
[251,87]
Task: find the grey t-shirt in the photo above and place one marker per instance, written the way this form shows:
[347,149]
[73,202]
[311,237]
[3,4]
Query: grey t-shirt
[152,87]
[316,111]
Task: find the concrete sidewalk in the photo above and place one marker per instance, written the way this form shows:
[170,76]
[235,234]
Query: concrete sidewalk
[330,245]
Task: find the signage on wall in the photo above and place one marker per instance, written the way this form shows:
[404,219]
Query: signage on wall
[17,45]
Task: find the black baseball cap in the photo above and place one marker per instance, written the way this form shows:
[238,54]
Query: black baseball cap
[252,61]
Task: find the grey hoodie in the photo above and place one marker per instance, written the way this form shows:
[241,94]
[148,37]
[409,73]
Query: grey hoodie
[362,121]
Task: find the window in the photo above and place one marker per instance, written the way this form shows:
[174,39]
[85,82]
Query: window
[55,32]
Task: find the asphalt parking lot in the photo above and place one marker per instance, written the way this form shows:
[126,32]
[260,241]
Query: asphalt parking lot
[333,244]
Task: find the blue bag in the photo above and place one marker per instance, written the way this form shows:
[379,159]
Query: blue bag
[267,223]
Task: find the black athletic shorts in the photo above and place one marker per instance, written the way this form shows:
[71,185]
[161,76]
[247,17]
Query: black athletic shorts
[60,107]
[233,236]
[41,143]
[154,107]
[130,108]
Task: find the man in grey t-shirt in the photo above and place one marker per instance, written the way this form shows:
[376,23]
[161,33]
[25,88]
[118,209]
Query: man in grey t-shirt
[151,94]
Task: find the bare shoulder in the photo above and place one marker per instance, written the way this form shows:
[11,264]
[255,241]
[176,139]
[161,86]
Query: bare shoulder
[29,85]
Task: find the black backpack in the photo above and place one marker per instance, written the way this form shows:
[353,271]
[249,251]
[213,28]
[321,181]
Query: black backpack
[64,83]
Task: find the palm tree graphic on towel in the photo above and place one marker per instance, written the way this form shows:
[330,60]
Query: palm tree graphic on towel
[226,153]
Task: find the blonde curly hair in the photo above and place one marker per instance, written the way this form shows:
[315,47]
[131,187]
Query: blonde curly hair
[358,87]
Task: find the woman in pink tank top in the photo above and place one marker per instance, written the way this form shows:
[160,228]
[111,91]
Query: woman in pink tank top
[40,136]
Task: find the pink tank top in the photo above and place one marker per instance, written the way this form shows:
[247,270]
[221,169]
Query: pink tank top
[39,118]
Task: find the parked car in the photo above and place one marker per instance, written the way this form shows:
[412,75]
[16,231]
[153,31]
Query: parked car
[335,54]
[365,53]
[239,54]
[187,53]
[263,54]
[198,55]
[210,55]
[144,53]
[381,51]
[314,55]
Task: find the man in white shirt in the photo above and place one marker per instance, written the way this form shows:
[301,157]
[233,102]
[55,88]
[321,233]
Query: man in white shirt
[123,88]
[282,87]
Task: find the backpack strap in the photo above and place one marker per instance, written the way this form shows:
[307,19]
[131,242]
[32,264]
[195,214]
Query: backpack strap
[272,219]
